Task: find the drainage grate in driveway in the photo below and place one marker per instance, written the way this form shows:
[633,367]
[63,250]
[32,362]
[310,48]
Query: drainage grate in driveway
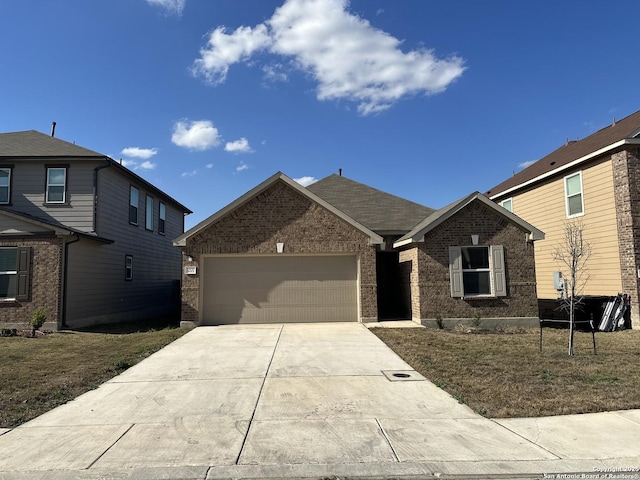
[402,375]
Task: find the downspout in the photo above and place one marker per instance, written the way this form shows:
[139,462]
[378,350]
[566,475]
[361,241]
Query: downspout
[95,194]
[63,323]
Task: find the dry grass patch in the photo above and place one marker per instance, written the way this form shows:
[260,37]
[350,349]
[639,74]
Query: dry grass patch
[504,375]
[38,374]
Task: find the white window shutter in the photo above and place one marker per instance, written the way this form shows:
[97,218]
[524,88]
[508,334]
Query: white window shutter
[455,271]
[499,271]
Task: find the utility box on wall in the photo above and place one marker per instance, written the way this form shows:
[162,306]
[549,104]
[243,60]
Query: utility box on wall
[558,281]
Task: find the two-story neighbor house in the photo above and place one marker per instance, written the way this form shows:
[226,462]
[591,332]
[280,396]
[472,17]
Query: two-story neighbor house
[82,236]
[595,181]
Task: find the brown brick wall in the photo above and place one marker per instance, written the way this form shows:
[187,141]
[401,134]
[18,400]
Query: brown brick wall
[410,280]
[626,179]
[45,280]
[433,267]
[279,214]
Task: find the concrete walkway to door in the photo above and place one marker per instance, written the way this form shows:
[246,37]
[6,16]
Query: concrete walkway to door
[296,400]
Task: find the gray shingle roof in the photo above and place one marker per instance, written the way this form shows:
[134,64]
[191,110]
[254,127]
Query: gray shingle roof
[377,210]
[32,143]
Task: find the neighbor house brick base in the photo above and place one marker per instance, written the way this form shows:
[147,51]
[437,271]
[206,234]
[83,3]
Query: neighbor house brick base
[626,178]
[45,275]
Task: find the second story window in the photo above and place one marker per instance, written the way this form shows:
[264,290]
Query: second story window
[148,214]
[573,194]
[133,205]
[56,185]
[5,185]
[507,204]
[162,218]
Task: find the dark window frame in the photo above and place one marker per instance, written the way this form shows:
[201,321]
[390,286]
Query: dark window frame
[134,209]
[162,218]
[10,185]
[128,268]
[148,213]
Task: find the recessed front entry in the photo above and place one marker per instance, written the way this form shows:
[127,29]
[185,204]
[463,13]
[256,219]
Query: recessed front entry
[279,289]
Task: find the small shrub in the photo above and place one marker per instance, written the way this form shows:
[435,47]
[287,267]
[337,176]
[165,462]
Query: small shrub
[38,318]
[476,320]
[439,322]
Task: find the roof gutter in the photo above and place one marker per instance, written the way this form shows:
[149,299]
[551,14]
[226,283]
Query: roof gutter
[597,153]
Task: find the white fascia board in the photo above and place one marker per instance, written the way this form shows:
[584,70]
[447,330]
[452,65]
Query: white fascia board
[407,241]
[613,146]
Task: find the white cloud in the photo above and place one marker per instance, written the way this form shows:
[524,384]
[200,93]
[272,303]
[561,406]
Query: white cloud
[242,167]
[189,174]
[133,165]
[128,163]
[137,152]
[306,181]
[209,165]
[195,135]
[170,6]
[147,165]
[274,73]
[225,49]
[238,146]
[347,57]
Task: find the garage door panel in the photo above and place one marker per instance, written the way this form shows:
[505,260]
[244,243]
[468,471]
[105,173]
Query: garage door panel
[270,314]
[280,289]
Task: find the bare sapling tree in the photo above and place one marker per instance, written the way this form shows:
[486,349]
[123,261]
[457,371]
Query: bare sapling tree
[573,253]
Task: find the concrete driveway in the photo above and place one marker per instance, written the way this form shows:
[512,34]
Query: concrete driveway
[297,400]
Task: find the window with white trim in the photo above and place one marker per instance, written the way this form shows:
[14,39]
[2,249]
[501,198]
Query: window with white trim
[5,185]
[15,267]
[507,204]
[133,205]
[56,185]
[573,195]
[162,217]
[8,272]
[477,271]
[148,214]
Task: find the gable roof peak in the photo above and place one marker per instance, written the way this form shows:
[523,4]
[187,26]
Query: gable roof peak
[436,218]
[181,241]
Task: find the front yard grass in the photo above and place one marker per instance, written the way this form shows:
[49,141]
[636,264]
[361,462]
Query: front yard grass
[38,374]
[503,375]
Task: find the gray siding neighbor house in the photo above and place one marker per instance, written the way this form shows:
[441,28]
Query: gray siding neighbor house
[340,250]
[82,236]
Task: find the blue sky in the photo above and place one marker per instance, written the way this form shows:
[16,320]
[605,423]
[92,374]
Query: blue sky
[423,99]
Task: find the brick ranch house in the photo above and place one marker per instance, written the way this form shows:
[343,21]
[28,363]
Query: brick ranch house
[342,251]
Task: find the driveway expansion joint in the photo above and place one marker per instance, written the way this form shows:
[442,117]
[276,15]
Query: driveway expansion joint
[111,446]
[255,407]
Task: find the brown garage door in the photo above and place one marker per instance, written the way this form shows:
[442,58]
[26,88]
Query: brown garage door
[279,289]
